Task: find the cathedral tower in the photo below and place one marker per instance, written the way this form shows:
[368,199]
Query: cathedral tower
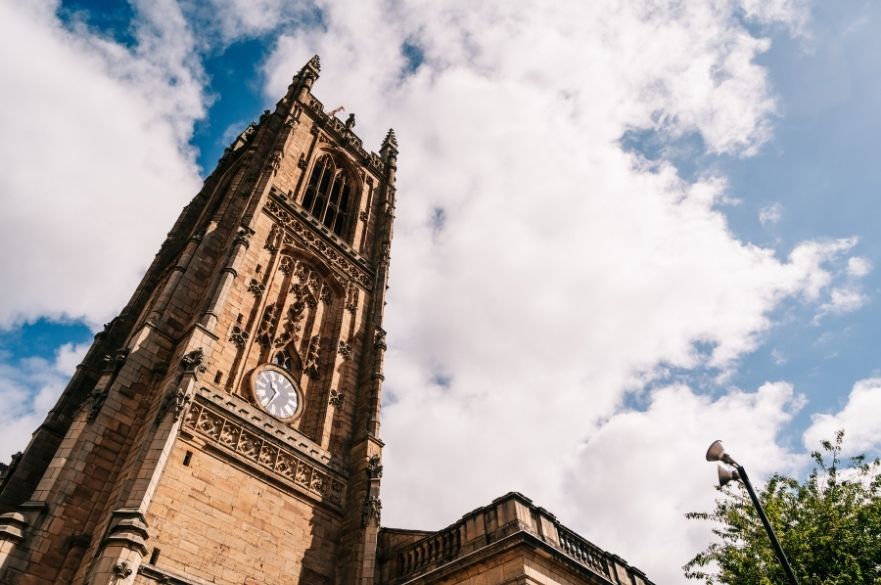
[224,427]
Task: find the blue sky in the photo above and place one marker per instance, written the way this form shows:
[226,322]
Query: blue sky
[822,168]
[714,271]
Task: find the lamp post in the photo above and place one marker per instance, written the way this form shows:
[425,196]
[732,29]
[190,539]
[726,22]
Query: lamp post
[716,452]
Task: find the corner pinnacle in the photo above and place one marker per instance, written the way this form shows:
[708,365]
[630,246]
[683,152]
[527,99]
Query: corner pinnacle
[390,140]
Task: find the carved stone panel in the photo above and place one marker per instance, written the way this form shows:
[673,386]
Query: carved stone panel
[312,240]
[258,450]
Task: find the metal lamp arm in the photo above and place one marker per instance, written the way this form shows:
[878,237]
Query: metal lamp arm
[774,542]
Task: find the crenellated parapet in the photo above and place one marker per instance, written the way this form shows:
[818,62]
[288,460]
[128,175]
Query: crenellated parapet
[342,133]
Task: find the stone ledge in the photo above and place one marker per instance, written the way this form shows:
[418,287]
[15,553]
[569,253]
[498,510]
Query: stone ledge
[239,408]
[256,450]
[13,526]
[128,528]
[167,577]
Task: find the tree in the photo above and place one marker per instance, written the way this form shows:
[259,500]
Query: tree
[829,525]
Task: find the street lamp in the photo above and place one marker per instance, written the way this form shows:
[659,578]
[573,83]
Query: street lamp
[716,452]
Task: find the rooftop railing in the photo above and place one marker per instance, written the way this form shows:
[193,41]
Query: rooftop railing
[407,555]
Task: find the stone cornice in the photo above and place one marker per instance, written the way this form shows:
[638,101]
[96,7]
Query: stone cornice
[288,461]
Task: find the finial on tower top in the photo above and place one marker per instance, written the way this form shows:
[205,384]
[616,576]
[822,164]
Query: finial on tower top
[390,140]
[306,76]
[310,70]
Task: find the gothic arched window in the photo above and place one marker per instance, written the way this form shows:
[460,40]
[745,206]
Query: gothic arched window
[328,195]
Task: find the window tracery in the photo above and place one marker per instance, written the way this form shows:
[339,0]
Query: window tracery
[328,195]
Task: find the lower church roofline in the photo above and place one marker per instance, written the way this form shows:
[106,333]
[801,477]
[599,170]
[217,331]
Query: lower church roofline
[419,556]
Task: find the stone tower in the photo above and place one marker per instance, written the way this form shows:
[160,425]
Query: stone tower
[224,427]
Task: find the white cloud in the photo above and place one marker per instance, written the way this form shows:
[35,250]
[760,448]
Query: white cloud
[814,253]
[97,166]
[223,22]
[28,389]
[858,418]
[793,14]
[778,356]
[846,296]
[858,266]
[568,274]
[770,214]
[68,357]
[643,471]
[841,300]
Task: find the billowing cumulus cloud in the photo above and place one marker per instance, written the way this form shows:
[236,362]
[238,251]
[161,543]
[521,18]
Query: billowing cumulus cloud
[96,159]
[843,300]
[545,277]
[858,266]
[222,22]
[858,418]
[567,272]
[643,471]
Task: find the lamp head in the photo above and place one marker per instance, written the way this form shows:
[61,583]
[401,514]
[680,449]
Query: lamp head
[726,474]
[716,452]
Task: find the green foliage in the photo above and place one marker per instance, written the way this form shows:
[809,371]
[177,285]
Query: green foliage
[829,526]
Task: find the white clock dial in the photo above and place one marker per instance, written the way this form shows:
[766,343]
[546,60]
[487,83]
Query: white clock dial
[276,392]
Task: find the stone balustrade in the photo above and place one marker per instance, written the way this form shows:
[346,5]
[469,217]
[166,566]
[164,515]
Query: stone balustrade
[405,555]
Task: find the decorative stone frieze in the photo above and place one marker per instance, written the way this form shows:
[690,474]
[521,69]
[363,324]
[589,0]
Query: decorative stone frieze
[336,259]
[254,447]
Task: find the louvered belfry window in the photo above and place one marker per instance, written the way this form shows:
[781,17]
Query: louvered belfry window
[328,195]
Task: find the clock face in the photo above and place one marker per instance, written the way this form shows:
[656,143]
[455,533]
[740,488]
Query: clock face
[276,392]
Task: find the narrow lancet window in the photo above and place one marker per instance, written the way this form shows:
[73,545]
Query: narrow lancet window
[328,195]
